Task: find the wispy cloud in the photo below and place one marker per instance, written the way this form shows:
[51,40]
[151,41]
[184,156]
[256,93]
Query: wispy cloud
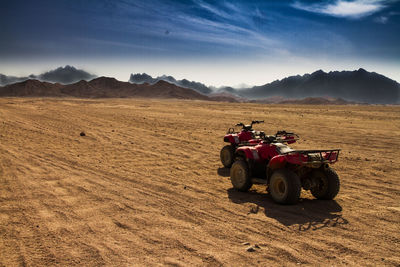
[381,19]
[353,9]
[232,23]
[223,33]
[232,13]
[226,25]
[108,43]
[214,10]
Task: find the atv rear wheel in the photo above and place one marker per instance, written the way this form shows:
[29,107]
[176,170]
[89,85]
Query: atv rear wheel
[328,184]
[227,156]
[240,176]
[285,187]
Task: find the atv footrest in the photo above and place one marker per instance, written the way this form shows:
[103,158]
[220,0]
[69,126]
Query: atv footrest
[258,181]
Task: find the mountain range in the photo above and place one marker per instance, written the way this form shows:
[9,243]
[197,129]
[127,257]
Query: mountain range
[356,86]
[63,75]
[102,87]
[359,86]
[145,78]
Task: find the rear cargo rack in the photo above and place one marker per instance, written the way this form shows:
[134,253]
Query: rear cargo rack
[315,156]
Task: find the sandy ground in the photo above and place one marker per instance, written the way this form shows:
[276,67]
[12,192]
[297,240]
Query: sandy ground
[145,186]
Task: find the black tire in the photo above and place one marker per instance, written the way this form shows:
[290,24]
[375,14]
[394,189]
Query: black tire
[227,156]
[328,184]
[240,176]
[285,187]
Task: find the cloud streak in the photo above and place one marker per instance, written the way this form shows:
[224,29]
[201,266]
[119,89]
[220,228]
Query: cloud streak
[210,27]
[355,9]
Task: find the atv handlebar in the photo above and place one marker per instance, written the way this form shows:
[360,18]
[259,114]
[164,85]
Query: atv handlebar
[281,137]
[251,124]
[284,133]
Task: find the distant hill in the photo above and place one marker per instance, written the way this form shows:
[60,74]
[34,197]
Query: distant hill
[101,87]
[226,97]
[31,88]
[354,86]
[317,101]
[63,75]
[145,78]
[304,101]
[6,79]
[360,86]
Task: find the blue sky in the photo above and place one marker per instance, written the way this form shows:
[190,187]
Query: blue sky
[215,42]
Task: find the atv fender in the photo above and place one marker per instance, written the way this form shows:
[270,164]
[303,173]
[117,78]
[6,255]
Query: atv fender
[233,139]
[277,162]
[249,153]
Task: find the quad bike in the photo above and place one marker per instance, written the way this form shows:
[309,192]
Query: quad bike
[285,170]
[246,136]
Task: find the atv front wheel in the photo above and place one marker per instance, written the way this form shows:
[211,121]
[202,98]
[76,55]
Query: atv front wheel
[285,187]
[328,184]
[227,156]
[240,176]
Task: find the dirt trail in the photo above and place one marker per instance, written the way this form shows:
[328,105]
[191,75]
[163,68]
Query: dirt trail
[145,186]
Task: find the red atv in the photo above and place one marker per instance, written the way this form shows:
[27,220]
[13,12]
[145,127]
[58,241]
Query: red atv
[285,170]
[247,136]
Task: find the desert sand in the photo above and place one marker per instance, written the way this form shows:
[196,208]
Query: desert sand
[145,186]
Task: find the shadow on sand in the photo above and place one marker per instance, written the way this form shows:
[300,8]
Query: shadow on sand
[307,214]
[224,172]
